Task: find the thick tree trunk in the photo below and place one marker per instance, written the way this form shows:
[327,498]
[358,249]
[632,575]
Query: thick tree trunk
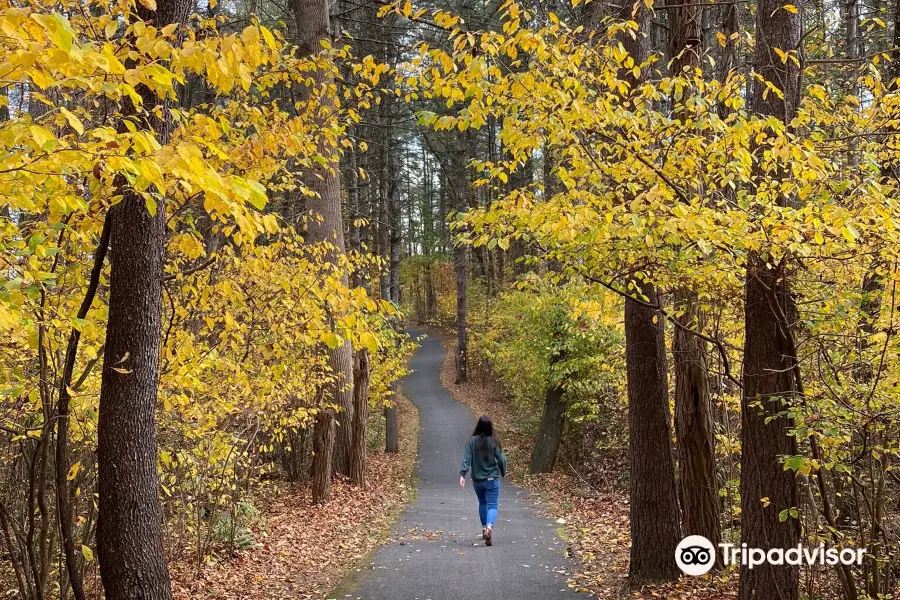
[655,530]
[360,417]
[341,361]
[129,533]
[313,25]
[553,422]
[323,443]
[655,523]
[768,378]
[694,430]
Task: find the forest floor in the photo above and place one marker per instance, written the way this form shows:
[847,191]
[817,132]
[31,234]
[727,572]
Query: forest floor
[594,521]
[304,550]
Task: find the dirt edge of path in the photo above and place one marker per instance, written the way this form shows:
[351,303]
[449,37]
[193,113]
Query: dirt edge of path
[306,551]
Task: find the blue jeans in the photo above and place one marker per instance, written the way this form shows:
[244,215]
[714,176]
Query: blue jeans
[488,493]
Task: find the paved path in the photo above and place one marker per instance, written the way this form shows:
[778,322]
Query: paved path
[439,554]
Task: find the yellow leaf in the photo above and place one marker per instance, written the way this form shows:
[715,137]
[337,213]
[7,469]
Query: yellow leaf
[58,27]
[73,472]
[332,340]
[369,341]
[791,8]
[74,121]
[87,553]
[151,4]
[41,136]
[110,29]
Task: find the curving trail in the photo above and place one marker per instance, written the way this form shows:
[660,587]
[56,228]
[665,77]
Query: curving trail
[437,552]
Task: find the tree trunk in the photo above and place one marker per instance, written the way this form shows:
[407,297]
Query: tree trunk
[395,235]
[460,188]
[313,25]
[129,534]
[694,431]
[655,530]
[655,524]
[462,337]
[768,355]
[391,429]
[430,298]
[553,421]
[764,438]
[693,413]
[360,417]
[323,443]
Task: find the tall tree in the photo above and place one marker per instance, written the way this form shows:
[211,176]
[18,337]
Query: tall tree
[693,412]
[655,527]
[313,25]
[459,187]
[655,530]
[769,353]
[129,533]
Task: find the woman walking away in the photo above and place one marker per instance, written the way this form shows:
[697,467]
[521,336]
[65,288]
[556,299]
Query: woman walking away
[485,456]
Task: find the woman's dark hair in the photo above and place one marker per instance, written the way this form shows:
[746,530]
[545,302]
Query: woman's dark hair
[484,431]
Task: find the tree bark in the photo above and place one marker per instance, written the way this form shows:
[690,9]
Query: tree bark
[323,443]
[695,432]
[764,438]
[129,533]
[430,297]
[553,421]
[313,25]
[360,417]
[693,413]
[655,530]
[768,378]
[391,429]
[460,187]
[396,233]
[654,516]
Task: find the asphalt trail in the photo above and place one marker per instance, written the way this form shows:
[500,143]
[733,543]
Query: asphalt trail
[439,554]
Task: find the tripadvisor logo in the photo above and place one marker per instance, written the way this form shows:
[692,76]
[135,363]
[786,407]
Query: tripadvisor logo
[696,555]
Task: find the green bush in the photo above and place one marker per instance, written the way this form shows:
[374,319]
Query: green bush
[567,334]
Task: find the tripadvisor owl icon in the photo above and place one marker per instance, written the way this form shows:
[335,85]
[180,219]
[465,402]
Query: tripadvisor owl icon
[695,555]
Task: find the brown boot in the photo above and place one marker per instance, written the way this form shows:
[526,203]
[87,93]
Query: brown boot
[488,535]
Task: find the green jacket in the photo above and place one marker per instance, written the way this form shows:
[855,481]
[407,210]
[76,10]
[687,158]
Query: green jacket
[483,467]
